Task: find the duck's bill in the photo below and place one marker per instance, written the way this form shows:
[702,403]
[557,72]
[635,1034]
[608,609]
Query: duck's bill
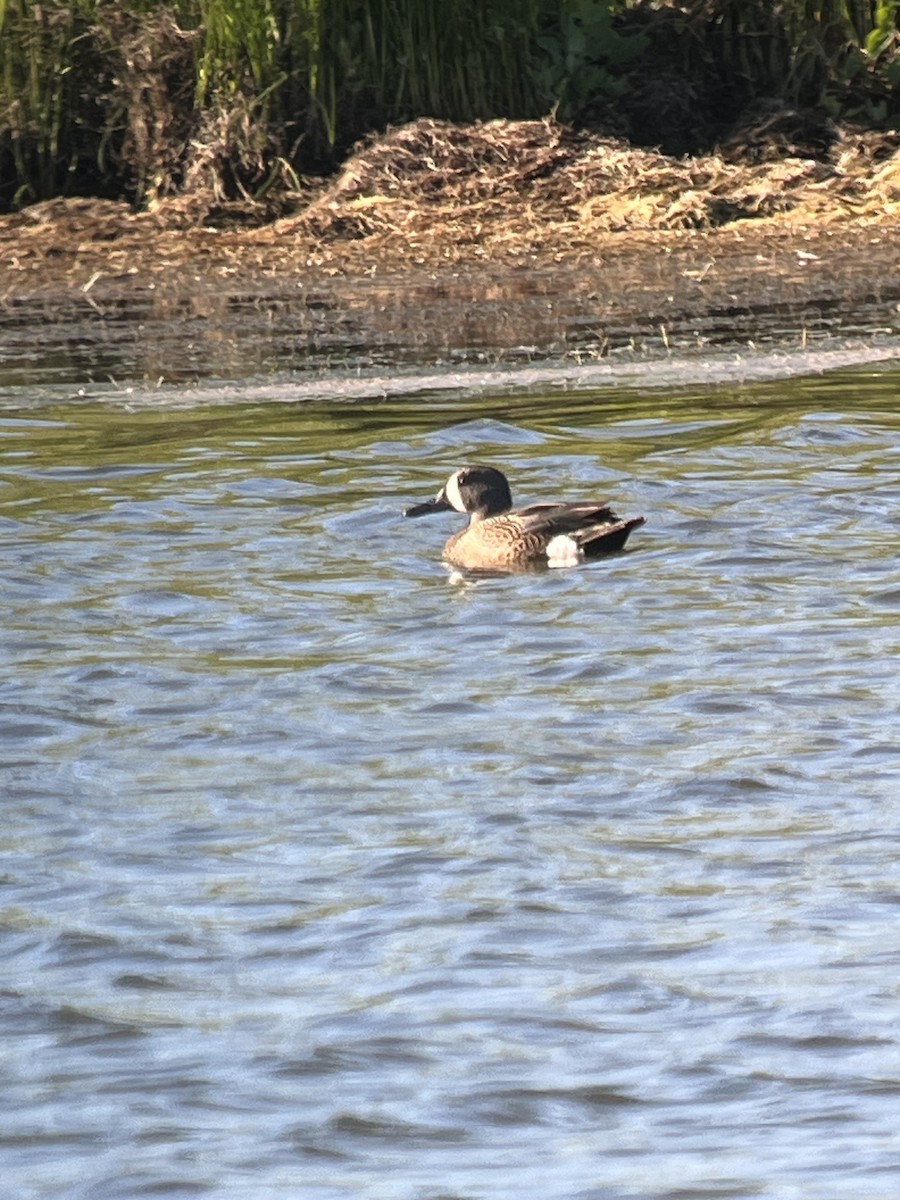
[438,504]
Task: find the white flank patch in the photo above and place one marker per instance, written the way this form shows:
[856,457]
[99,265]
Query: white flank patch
[563,551]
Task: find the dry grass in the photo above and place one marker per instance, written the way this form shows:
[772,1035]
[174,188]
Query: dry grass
[513,188]
[433,193]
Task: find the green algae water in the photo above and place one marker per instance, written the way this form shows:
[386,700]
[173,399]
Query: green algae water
[327,876]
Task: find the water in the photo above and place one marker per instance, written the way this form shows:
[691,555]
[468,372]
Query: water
[326,876]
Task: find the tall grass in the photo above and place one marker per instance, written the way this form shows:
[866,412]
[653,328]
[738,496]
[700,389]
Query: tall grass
[42,54]
[114,98]
[315,74]
[239,36]
[791,49]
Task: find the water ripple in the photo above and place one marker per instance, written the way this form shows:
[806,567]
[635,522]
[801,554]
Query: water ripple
[322,873]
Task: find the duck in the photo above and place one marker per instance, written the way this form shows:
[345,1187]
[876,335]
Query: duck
[501,538]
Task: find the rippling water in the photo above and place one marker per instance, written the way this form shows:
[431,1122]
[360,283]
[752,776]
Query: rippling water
[324,876]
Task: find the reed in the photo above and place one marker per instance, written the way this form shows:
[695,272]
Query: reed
[113,98]
[36,96]
[841,55]
[240,39]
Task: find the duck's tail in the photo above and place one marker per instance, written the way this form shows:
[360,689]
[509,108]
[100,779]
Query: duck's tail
[606,539]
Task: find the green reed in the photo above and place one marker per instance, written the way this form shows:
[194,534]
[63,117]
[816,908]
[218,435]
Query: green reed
[240,37]
[316,74]
[838,54]
[311,76]
[37,50]
[59,63]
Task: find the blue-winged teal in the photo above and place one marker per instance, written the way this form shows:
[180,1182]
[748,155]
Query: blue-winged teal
[501,538]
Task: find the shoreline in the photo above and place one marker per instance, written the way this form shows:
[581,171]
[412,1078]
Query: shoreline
[585,228]
[665,284]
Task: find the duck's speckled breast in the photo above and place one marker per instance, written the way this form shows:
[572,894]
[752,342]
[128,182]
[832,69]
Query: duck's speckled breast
[497,543]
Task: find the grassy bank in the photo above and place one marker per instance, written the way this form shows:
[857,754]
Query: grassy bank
[235,98]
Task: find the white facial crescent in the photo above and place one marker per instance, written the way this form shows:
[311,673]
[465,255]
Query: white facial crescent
[451,491]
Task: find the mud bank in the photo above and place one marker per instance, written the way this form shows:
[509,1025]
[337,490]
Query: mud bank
[433,221]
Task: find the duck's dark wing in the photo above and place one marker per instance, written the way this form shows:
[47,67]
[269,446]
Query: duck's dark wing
[593,526]
[567,517]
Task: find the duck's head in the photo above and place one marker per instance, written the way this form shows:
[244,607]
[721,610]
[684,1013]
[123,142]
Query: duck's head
[476,490]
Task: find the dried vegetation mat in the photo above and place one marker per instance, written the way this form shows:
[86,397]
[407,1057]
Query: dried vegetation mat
[512,189]
[504,192]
